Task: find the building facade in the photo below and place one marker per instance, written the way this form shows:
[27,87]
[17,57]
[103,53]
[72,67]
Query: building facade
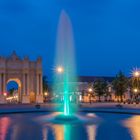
[85,87]
[26,73]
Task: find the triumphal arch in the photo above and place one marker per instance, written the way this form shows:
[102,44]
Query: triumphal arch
[26,73]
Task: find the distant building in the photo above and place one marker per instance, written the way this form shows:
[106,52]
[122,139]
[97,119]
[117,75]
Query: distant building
[84,81]
[83,85]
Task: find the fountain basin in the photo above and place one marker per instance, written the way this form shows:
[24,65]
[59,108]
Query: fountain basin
[105,125]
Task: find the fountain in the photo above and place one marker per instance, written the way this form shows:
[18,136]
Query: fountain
[65,63]
[65,82]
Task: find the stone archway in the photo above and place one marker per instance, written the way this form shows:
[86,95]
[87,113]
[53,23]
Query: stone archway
[19,86]
[27,73]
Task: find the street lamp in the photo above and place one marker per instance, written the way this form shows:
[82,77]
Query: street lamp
[59,69]
[136,74]
[135,90]
[5,94]
[46,94]
[90,90]
[136,80]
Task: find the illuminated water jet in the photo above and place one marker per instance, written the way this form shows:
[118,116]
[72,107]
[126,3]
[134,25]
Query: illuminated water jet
[66,74]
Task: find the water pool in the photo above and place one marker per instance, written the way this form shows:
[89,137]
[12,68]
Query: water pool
[35,126]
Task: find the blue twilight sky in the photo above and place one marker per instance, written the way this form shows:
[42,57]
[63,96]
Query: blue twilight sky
[106,32]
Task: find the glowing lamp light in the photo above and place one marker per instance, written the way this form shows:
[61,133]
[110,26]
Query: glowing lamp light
[135,90]
[60,69]
[46,94]
[80,98]
[5,94]
[90,90]
[136,73]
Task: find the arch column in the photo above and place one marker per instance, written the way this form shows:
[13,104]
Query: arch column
[39,95]
[37,84]
[41,86]
[0,84]
[24,92]
[25,97]
[19,94]
[2,88]
[27,85]
[3,80]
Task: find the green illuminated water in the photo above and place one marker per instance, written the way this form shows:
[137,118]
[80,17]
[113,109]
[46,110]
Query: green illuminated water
[67,132]
[66,96]
[65,81]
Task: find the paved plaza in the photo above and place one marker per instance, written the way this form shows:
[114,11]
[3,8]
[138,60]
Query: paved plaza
[50,107]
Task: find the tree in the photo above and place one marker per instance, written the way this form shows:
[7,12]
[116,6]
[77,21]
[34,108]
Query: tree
[120,84]
[100,88]
[45,84]
[90,91]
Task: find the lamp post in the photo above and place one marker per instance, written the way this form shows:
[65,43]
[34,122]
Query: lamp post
[5,94]
[60,71]
[90,90]
[136,74]
[136,79]
[135,90]
[136,82]
[46,94]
